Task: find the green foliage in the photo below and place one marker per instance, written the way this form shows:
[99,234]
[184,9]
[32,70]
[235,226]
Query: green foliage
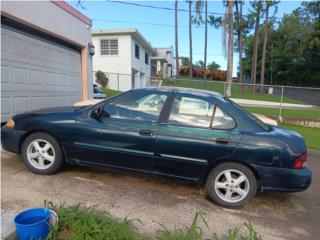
[235,233]
[199,64]
[102,78]
[213,65]
[110,92]
[193,232]
[293,53]
[219,87]
[310,135]
[308,113]
[185,61]
[79,222]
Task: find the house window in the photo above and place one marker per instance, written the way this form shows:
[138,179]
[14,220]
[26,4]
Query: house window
[146,58]
[137,51]
[109,46]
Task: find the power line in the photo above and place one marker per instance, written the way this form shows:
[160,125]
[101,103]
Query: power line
[199,53]
[144,23]
[179,9]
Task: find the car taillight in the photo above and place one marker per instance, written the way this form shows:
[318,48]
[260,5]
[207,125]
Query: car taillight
[300,161]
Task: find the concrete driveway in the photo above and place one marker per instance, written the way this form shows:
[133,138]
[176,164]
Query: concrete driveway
[168,202]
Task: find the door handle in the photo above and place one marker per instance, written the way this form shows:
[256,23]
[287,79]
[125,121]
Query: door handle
[146,132]
[223,140]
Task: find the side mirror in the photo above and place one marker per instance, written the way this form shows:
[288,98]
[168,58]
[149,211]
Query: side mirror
[99,112]
[94,114]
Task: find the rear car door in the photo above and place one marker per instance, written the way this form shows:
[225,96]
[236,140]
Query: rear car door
[124,136]
[196,132]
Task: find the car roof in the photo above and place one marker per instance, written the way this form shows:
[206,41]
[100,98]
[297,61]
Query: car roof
[183,90]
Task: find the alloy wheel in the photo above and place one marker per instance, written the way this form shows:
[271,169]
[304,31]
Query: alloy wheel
[40,154]
[231,186]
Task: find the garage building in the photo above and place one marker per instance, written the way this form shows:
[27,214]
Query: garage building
[45,56]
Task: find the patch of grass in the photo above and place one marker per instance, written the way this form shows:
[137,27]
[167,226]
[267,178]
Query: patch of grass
[79,222]
[313,113]
[110,92]
[194,232]
[219,87]
[311,135]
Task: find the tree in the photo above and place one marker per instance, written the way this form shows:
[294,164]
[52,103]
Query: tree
[228,30]
[257,6]
[295,54]
[198,20]
[214,66]
[200,64]
[268,4]
[190,38]
[185,61]
[176,40]
[240,28]
[101,78]
[205,36]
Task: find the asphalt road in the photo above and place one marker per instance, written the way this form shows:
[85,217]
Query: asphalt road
[168,202]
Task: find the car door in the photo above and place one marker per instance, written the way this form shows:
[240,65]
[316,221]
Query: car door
[124,135]
[192,136]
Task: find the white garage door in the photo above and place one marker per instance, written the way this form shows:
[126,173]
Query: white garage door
[36,73]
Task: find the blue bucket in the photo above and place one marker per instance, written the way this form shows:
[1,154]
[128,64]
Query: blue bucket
[33,224]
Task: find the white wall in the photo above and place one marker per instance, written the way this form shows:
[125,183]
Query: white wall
[112,64]
[139,64]
[123,63]
[47,15]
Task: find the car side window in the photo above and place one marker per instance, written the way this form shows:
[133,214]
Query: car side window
[143,106]
[191,111]
[222,120]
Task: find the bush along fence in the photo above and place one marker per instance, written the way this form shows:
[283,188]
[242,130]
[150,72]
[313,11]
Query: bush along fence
[121,81]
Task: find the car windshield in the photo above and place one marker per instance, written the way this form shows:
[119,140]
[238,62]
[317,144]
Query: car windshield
[250,115]
[97,90]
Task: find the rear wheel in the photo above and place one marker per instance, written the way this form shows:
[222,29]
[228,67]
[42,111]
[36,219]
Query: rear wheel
[231,184]
[42,153]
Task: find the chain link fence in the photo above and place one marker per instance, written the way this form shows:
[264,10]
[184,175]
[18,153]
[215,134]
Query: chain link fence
[275,101]
[123,82]
[283,103]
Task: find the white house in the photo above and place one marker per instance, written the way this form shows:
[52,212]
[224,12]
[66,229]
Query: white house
[124,54]
[163,64]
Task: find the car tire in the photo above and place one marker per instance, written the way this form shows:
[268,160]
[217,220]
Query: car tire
[42,154]
[231,184]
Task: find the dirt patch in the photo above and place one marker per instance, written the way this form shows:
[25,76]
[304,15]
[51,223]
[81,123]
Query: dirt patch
[158,200]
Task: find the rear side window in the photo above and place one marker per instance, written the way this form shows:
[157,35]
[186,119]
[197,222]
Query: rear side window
[197,112]
[191,111]
[222,120]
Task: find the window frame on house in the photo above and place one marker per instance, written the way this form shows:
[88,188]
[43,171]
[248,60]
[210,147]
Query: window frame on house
[110,47]
[137,53]
[146,58]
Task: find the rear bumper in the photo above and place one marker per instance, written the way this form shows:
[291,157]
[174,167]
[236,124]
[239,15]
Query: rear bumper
[11,139]
[284,179]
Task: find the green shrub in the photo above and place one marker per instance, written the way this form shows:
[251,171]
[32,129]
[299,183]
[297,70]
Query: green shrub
[102,78]
[78,222]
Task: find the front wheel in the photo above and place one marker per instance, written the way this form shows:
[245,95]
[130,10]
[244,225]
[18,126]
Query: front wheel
[42,153]
[231,184]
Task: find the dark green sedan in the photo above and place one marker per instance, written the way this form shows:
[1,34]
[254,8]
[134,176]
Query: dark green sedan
[192,135]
